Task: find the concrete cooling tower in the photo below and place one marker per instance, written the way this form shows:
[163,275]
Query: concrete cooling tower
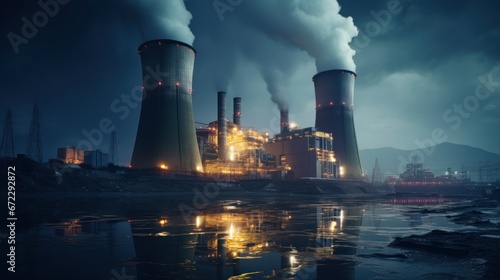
[334,91]
[166,136]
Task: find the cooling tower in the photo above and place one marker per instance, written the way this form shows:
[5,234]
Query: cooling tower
[334,114]
[237,111]
[166,136]
[221,124]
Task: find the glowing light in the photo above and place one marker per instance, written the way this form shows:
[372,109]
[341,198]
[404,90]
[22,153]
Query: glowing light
[159,83]
[177,84]
[341,168]
[231,153]
[341,219]
[198,168]
[293,125]
[293,260]
[198,221]
[231,231]
[163,222]
[331,103]
[333,224]
[235,128]
[163,166]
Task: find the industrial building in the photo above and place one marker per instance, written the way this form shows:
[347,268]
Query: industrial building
[166,136]
[71,155]
[233,151]
[96,159]
[304,153]
[334,90]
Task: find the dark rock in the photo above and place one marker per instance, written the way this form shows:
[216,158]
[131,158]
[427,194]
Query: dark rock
[437,241]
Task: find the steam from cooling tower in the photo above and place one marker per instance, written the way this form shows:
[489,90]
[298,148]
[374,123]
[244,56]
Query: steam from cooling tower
[158,18]
[314,26]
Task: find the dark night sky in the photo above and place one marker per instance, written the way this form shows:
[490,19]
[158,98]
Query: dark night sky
[412,67]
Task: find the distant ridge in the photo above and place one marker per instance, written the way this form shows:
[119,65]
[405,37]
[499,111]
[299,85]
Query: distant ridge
[437,158]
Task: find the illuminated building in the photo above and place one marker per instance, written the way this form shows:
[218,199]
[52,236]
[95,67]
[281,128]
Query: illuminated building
[234,152]
[304,153]
[71,155]
[245,153]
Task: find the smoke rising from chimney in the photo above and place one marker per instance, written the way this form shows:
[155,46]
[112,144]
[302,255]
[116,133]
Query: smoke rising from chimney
[276,38]
[314,27]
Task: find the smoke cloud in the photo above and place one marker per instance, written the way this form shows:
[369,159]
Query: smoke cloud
[159,19]
[314,26]
[277,37]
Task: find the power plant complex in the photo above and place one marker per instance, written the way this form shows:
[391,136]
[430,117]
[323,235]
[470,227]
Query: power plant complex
[168,139]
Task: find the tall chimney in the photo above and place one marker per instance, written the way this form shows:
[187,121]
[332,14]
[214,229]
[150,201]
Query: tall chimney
[237,111]
[166,137]
[221,124]
[334,91]
[284,125]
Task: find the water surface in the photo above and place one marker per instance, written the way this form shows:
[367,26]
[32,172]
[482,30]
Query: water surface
[235,236]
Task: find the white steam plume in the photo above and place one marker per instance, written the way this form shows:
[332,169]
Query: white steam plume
[314,26]
[159,19]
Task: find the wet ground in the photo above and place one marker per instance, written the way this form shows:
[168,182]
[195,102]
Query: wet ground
[210,235]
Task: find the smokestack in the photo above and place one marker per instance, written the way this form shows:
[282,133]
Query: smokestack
[284,125]
[334,91]
[237,111]
[221,124]
[166,136]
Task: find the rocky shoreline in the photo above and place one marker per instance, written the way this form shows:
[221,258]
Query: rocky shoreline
[478,245]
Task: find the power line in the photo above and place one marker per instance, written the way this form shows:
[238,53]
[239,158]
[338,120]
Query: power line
[7,145]
[34,146]
[113,149]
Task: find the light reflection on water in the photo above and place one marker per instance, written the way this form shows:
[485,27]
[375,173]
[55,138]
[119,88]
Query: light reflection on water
[249,238]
